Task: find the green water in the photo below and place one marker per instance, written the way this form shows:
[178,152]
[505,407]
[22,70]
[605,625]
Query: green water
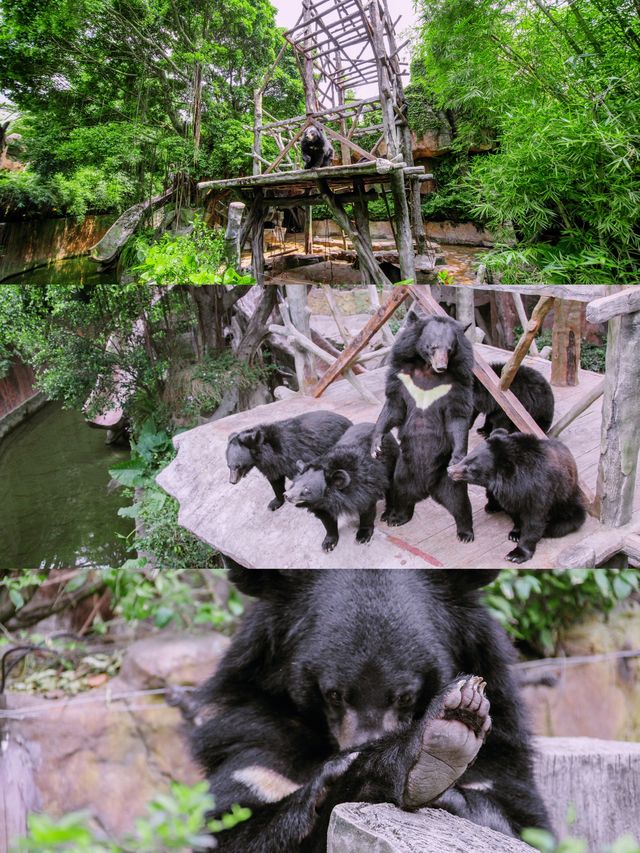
[72,271]
[56,507]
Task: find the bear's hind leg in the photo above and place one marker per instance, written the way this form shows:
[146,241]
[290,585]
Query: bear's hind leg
[455,498]
[366,524]
[566,518]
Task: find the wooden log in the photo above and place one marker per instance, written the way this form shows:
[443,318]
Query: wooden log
[620,439]
[308,231]
[577,409]
[404,240]
[374,301]
[545,304]
[328,347]
[257,133]
[578,292]
[522,316]
[359,342]
[503,316]
[624,302]
[257,241]
[632,549]
[299,315]
[232,234]
[566,343]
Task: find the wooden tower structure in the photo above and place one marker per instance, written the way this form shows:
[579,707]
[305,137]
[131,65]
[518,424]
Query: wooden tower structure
[349,62]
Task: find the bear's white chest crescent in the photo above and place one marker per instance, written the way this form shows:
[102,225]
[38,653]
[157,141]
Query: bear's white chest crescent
[424,397]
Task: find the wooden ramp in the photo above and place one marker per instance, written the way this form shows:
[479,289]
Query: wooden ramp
[235,519]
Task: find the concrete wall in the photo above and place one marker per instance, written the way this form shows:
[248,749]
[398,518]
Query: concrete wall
[30,243]
[18,397]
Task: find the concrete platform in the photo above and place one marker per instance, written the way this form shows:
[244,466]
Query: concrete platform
[235,519]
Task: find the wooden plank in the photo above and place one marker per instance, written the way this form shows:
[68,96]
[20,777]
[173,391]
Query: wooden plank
[624,302]
[577,409]
[566,342]
[359,342]
[620,419]
[380,166]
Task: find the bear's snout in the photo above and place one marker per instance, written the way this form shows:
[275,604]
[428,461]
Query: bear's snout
[457,472]
[234,476]
[440,360]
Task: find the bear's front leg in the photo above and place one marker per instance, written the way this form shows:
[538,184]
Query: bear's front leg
[392,415]
[458,431]
[278,487]
[331,526]
[530,533]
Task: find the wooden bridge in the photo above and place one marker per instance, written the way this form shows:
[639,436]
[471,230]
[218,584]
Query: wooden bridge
[598,420]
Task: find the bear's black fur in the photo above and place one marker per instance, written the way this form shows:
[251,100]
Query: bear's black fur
[275,448]
[535,481]
[324,686]
[430,356]
[529,386]
[316,149]
[346,481]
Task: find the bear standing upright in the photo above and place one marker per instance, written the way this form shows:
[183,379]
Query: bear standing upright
[349,686]
[429,397]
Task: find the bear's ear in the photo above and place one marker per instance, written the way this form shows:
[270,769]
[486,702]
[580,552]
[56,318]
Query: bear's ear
[416,315]
[300,466]
[340,479]
[251,438]
[460,581]
[499,434]
[268,584]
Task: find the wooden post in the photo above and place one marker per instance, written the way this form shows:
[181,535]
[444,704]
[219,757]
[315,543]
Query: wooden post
[308,230]
[257,132]
[566,343]
[466,311]
[299,312]
[232,234]
[403,226]
[620,439]
[257,239]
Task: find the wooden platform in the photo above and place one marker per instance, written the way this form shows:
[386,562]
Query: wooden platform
[235,519]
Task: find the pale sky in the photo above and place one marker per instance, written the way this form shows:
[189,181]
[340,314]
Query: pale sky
[289,12]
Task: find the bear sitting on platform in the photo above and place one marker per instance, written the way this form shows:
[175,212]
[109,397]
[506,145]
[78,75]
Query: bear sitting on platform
[534,480]
[316,149]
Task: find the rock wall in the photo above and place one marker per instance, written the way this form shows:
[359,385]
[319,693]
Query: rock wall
[30,243]
[453,233]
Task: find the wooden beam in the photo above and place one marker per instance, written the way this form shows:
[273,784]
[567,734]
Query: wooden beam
[376,321]
[620,440]
[232,234]
[566,343]
[545,304]
[578,292]
[624,302]
[522,316]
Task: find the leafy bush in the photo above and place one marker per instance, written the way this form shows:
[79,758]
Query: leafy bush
[173,821]
[535,606]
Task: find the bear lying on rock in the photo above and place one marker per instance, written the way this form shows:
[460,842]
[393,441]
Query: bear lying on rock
[275,448]
[377,686]
[535,481]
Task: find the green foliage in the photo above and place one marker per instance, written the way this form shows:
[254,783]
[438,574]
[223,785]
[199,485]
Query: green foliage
[556,93]
[451,199]
[215,375]
[173,821]
[194,258]
[535,606]
[546,843]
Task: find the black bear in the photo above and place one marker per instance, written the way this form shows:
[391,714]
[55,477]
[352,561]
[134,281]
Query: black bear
[429,396]
[346,481]
[275,448]
[316,149]
[529,386]
[350,686]
[535,481]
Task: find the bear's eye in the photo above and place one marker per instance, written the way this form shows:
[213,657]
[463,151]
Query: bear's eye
[405,700]
[334,697]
